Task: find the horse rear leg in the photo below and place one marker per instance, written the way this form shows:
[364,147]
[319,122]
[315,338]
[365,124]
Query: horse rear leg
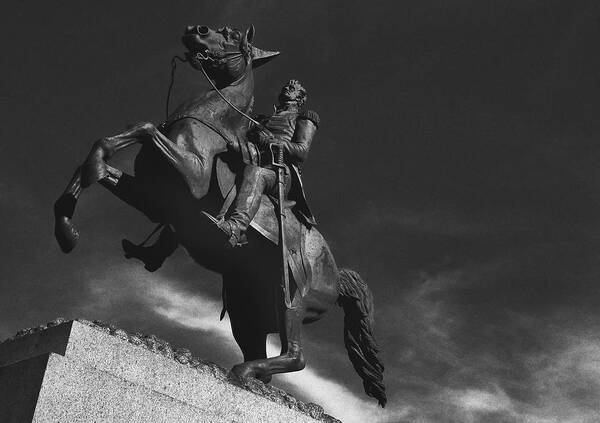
[251,342]
[291,358]
[128,189]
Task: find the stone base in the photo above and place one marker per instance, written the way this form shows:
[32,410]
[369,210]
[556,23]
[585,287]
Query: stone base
[80,372]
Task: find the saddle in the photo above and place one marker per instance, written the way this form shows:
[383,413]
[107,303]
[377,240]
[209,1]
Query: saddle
[265,223]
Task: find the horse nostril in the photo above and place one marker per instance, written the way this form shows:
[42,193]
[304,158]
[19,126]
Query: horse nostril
[202,30]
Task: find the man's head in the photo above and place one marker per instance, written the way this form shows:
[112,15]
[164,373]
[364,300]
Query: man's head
[293,93]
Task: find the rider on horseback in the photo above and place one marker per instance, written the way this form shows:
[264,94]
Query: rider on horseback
[291,129]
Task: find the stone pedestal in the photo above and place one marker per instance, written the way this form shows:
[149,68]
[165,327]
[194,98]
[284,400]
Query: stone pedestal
[80,371]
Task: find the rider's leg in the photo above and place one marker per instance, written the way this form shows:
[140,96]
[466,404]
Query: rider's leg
[256,180]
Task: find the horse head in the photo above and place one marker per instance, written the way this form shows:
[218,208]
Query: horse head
[225,54]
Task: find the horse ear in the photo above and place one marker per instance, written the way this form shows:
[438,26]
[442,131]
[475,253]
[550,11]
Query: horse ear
[250,34]
[259,57]
[246,46]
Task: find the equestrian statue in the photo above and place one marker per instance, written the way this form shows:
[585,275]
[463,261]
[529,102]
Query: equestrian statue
[227,187]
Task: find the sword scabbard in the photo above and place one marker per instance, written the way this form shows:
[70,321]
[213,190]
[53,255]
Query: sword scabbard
[285,277]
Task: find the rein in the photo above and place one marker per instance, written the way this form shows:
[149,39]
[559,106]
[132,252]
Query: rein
[200,58]
[173,67]
[199,55]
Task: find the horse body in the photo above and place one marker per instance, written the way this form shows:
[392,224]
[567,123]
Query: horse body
[203,242]
[175,180]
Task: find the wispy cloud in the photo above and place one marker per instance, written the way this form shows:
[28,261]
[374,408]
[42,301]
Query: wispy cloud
[335,397]
[469,355]
[567,381]
[473,405]
[198,312]
[459,343]
[433,222]
[171,301]
[442,222]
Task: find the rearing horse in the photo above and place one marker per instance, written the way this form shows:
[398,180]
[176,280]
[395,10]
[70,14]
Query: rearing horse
[182,169]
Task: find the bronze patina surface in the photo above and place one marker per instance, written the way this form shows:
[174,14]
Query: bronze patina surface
[187,167]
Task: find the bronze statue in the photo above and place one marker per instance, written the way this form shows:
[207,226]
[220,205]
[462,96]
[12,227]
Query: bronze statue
[188,167]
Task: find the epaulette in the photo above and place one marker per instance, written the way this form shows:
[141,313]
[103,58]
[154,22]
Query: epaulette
[310,115]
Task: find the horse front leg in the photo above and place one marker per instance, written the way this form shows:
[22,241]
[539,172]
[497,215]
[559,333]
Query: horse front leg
[195,168]
[94,169]
[64,231]
[64,208]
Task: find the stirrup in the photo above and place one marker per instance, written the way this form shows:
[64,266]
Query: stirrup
[212,218]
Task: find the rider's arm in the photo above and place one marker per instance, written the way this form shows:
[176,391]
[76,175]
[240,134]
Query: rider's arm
[252,135]
[259,135]
[306,126]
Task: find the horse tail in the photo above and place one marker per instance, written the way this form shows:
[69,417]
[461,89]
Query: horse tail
[356,299]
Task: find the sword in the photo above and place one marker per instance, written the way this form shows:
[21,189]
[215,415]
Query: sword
[278,163]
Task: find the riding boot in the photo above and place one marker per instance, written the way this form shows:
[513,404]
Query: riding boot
[153,256]
[232,230]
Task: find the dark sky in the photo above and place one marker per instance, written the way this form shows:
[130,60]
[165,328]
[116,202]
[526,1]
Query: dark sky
[455,168]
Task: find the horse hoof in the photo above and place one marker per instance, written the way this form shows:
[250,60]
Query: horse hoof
[265,379]
[151,258]
[66,234]
[241,371]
